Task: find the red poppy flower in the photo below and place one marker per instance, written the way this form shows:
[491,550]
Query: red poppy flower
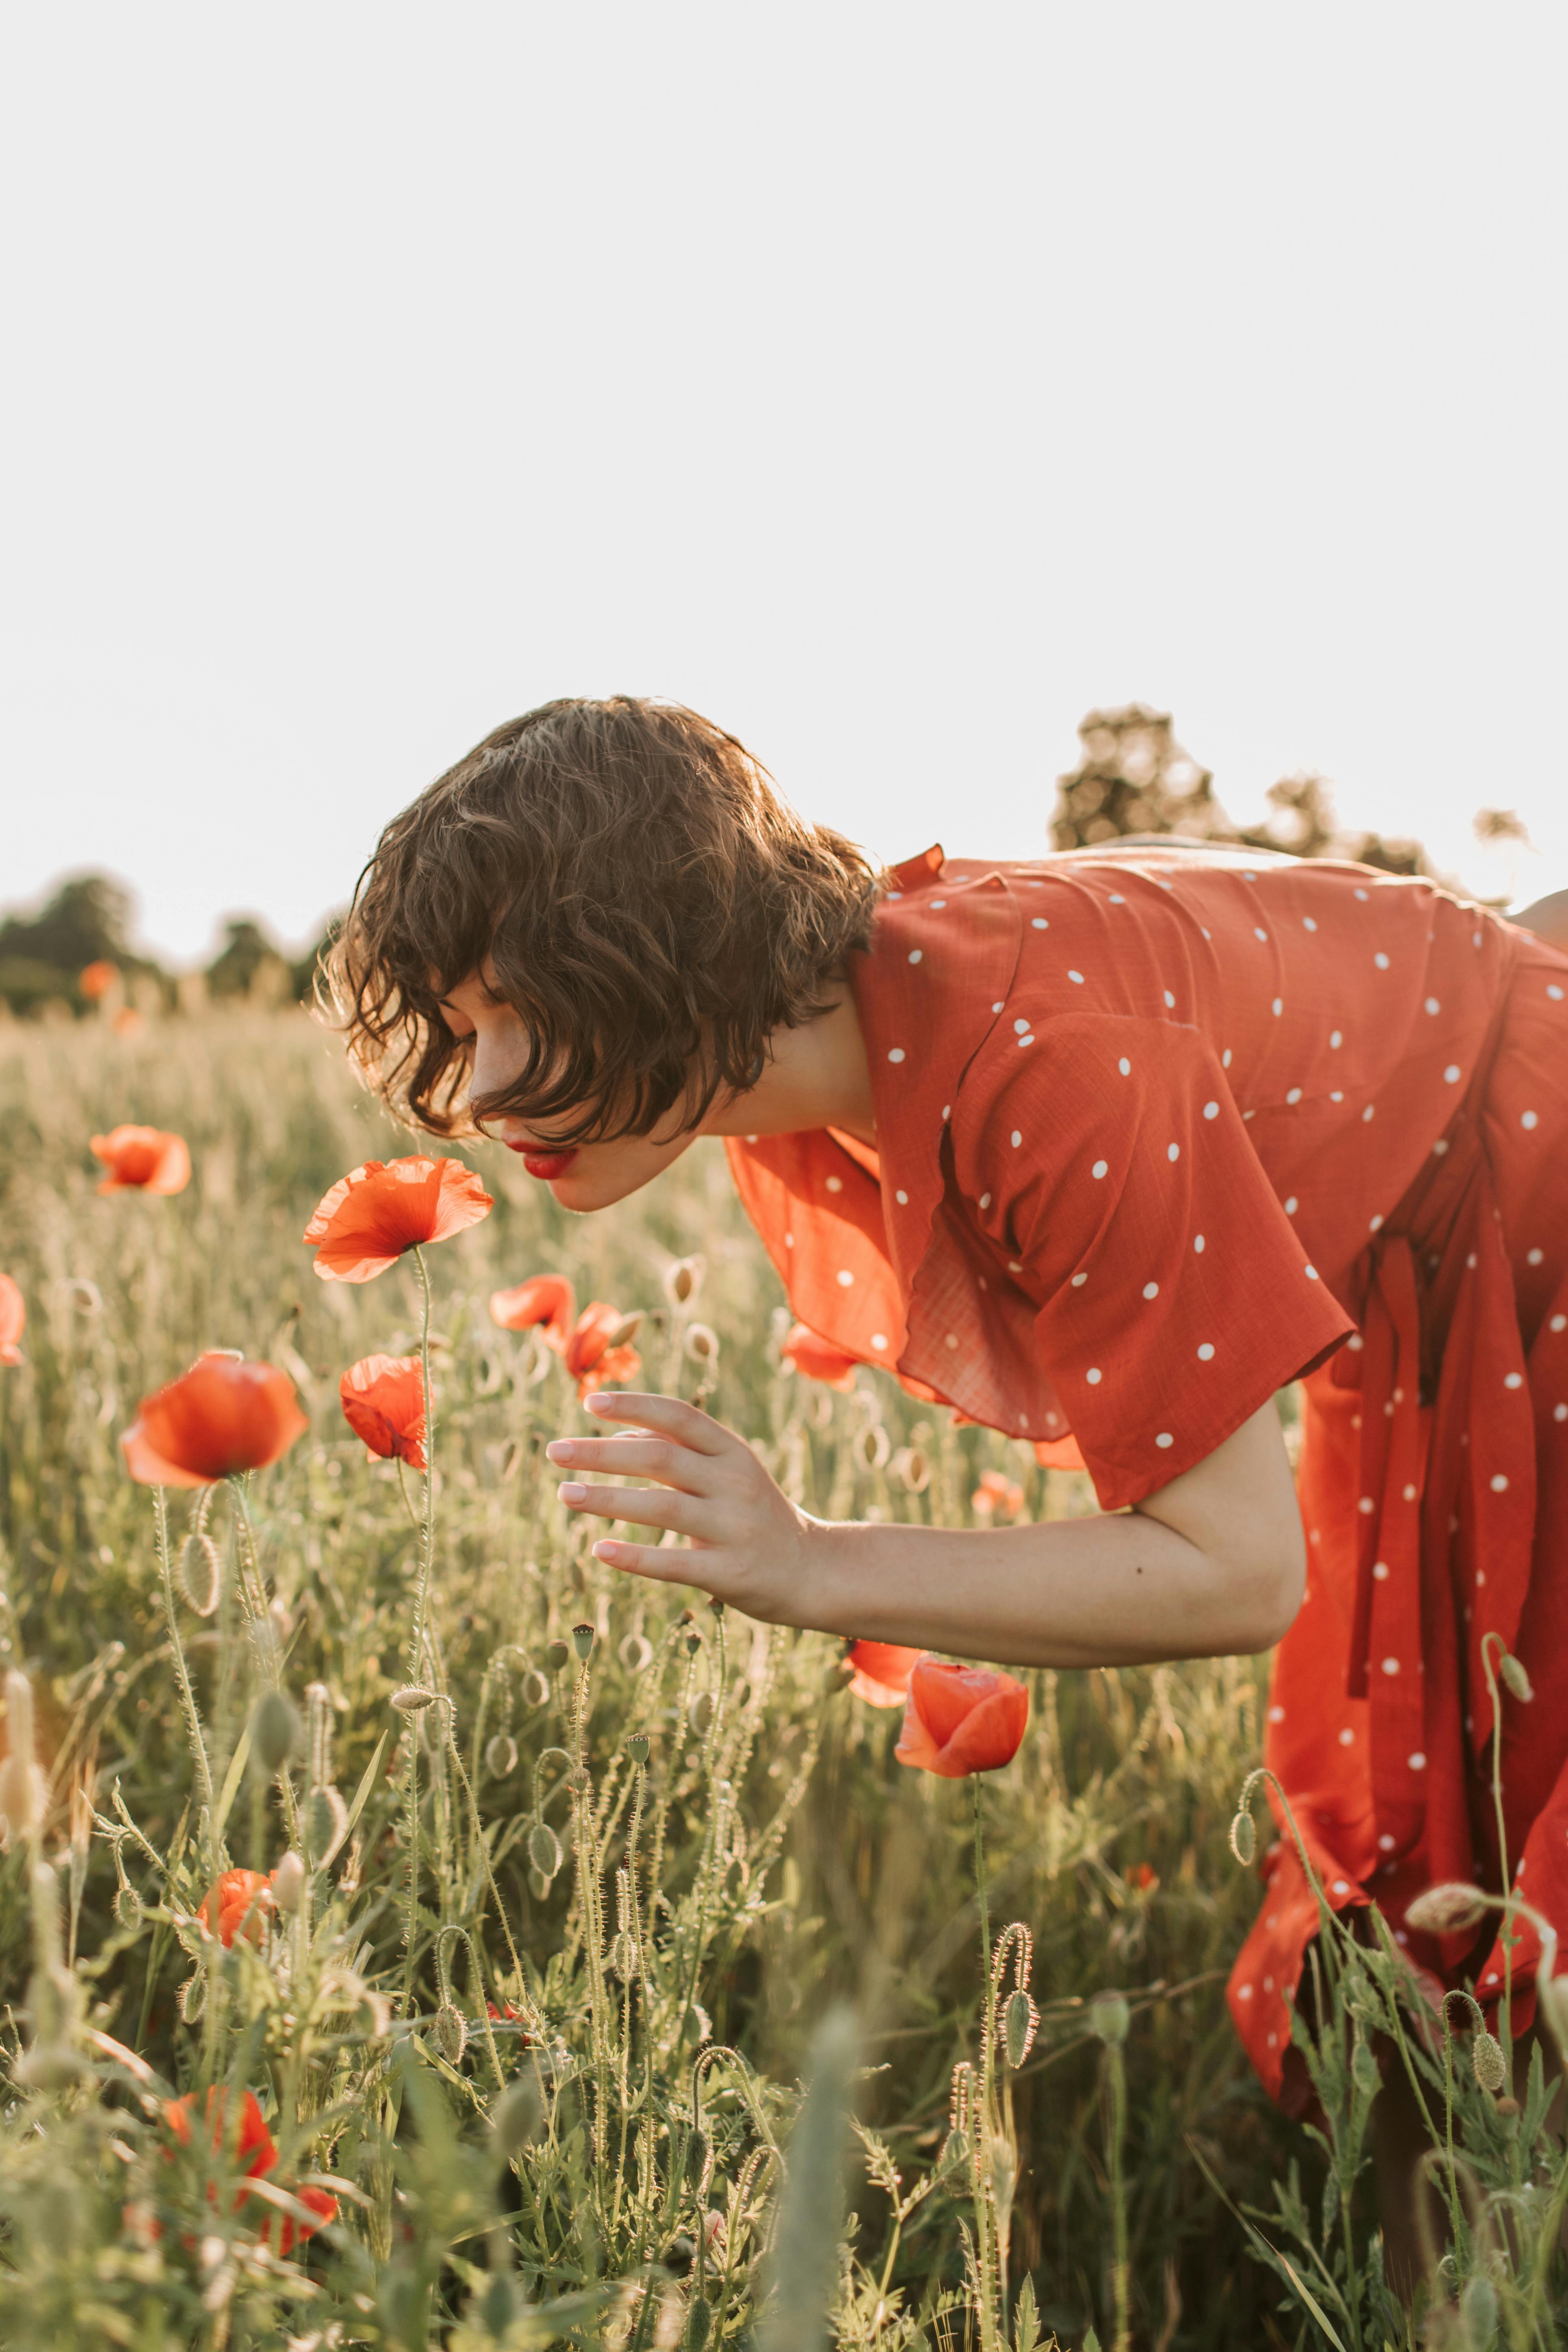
[143,1159]
[96,979]
[1143,1875]
[13,1320]
[256,2151]
[375,1212]
[595,1353]
[1060,1453]
[962,1719]
[882,1671]
[819,1360]
[240,1900]
[383,1402]
[544,1299]
[221,1417]
[996,1496]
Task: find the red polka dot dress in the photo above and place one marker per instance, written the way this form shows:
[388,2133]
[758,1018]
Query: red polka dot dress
[1163,1128]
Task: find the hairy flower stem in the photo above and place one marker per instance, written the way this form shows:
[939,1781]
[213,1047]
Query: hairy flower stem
[416,1638]
[253,1595]
[1505,2006]
[986,2247]
[187,1696]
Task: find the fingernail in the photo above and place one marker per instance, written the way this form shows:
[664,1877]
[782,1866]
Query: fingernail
[572,1492]
[558,1450]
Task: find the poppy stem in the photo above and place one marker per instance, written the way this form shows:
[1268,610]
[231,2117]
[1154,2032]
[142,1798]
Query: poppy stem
[416,1644]
[187,1696]
[986,2239]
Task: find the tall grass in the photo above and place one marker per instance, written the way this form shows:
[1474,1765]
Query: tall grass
[654,1846]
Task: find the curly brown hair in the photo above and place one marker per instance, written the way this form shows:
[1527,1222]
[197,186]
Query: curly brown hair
[645,899]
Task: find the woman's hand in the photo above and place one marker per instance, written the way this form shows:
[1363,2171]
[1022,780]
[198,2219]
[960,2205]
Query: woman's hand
[744,1542]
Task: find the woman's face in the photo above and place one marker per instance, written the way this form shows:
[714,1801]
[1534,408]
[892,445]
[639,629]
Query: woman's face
[581,1176]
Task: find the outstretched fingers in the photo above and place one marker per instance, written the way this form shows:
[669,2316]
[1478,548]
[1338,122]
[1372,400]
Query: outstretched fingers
[686,1424]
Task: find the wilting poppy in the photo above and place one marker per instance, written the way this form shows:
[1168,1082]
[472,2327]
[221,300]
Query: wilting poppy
[882,1672]
[545,1299]
[819,1360]
[96,979]
[595,1353]
[375,1212]
[221,1417]
[13,1320]
[143,1159]
[383,1402]
[237,1905]
[996,1496]
[962,1719]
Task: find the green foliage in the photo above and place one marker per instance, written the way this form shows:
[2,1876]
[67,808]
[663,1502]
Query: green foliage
[541,1979]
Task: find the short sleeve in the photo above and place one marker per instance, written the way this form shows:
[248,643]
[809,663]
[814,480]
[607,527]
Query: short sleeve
[1108,1162]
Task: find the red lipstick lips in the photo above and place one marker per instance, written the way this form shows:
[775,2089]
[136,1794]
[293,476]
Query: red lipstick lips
[544,1164]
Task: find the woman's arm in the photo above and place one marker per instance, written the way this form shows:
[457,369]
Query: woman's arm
[1214,1564]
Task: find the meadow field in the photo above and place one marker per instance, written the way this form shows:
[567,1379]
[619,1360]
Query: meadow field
[595,1881]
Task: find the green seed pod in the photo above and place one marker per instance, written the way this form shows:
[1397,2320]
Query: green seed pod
[518,2116]
[194,1997]
[451,2033]
[1243,1837]
[1516,1678]
[1364,2070]
[1488,2060]
[326,1825]
[637,1748]
[579,1779]
[1109,2016]
[583,1642]
[273,1731]
[544,1850]
[538,1885]
[693,1641]
[128,1908]
[702,1714]
[201,1573]
[1020,2021]
[501,1756]
[533,1689]
[635,1654]
[1479,2314]
[556,1655]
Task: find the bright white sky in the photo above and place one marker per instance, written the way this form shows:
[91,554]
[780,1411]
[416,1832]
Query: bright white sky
[893,383]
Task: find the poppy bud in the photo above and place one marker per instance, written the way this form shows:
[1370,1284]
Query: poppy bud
[1516,1678]
[702,1713]
[623,1955]
[533,1689]
[583,1642]
[1488,2061]
[1019,2021]
[1243,1837]
[683,1280]
[1363,2070]
[194,1997]
[637,1748]
[544,1851]
[1479,2313]
[326,1824]
[451,2033]
[128,1908]
[696,2025]
[1109,2016]
[556,1655]
[288,1882]
[274,1730]
[201,1573]
[501,1756]
[1447,1910]
[635,1652]
[699,2324]
[538,1885]
[413,1699]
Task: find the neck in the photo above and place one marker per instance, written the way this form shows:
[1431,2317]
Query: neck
[815,1076]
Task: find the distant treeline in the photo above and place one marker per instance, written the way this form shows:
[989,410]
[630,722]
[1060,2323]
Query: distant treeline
[1133,778]
[76,954]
